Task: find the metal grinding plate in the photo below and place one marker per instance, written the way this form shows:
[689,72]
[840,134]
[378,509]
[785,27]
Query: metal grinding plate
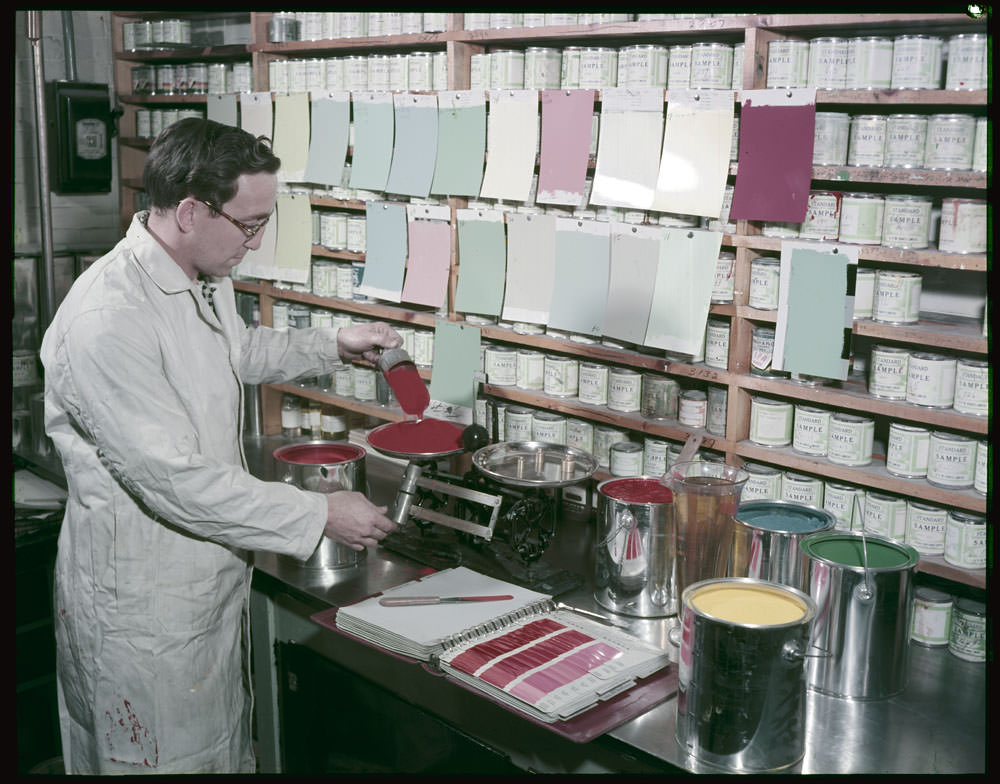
[534,464]
[427,439]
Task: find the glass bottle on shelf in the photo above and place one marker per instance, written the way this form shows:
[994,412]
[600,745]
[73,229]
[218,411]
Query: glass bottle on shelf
[291,417]
[334,424]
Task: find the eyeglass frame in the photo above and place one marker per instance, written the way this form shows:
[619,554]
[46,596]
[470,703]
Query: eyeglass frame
[249,231]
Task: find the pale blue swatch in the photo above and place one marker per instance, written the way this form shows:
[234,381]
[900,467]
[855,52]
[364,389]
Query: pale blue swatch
[386,247]
[373,135]
[456,361]
[580,288]
[412,165]
[482,266]
[330,125]
[461,151]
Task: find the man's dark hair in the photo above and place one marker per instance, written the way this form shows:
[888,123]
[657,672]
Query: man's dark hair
[203,158]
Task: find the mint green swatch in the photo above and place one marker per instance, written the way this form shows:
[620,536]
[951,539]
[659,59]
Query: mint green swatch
[482,266]
[329,133]
[373,134]
[814,332]
[461,151]
[456,360]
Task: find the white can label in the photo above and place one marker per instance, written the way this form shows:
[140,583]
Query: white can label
[530,370]
[963,226]
[930,381]
[624,391]
[950,142]
[851,441]
[861,220]
[952,462]
[965,543]
[812,431]
[967,58]
[885,516]
[711,66]
[831,139]
[802,491]
[822,216]
[916,63]
[897,297]
[770,423]
[972,388]
[679,70]
[869,64]
[931,622]
[907,451]
[907,222]
[867,146]
[787,63]
[887,373]
[905,142]
[968,636]
[501,367]
[925,529]
[593,384]
[828,63]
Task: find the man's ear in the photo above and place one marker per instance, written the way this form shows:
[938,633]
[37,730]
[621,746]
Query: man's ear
[184,214]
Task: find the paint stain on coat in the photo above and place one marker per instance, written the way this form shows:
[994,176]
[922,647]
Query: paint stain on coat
[126,730]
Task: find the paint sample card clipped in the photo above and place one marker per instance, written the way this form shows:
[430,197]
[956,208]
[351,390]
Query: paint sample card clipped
[580,288]
[293,248]
[461,143]
[628,147]
[482,261]
[257,114]
[777,133]
[635,255]
[291,134]
[531,267]
[329,133]
[385,252]
[512,145]
[221,108]
[567,124]
[429,255]
[374,130]
[456,361]
[412,168]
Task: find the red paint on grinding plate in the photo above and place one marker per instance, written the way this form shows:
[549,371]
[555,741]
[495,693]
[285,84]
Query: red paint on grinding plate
[636,490]
[425,436]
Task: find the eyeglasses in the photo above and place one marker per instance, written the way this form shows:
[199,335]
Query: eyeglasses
[249,231]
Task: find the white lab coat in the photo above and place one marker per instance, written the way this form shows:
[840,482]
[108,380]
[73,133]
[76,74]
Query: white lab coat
[144,402]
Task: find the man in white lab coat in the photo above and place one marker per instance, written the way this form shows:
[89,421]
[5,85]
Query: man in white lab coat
[145,363]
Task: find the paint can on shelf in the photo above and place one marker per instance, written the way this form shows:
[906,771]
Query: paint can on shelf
[965,540]
[861,218]
[972,387]
[770,422]
[926,525]
[822,220]
[951,462]
[660,396]
[580,435]
[715,416]
[930,379]
[831,138]
[950,142]
[802,489]
[811,430]
[692,409]
[897,296]
[905,141]
[765,274]
[530,370]
[711,66]
[787,63]
[867,140]
[548,427]
[968,55]
[907,450]
[851,439]
[963,226]
[679,67]
[967,639]
[887,371]
[917,62]
[932,611]
[561,376]
[907,222]
[624,390]
[593,383]
[764,483]
[828,63]
[869,63]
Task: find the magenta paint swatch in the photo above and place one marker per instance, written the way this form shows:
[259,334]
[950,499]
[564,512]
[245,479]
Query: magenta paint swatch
[478,655]
[775,163]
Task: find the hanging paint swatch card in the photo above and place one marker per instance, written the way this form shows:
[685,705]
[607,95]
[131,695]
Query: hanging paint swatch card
[482,262]
[531,267]
[815,309]
[329,134]
[456,360]
[293,248]
[635,255]
[512,145]
[429,255]
[291,134]
[697,140]
[374,128]
[385,250]
[461,143]
[777,131]
[685,277]
[257,114]
[259,262]
[221,108]
[580,287]
[412,168]
[567,122]
[628,147]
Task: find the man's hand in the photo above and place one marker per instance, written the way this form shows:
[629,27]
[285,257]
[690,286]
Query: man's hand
[364,341]
[355,521]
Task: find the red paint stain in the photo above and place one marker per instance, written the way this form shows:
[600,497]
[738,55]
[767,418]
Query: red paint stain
[137,734]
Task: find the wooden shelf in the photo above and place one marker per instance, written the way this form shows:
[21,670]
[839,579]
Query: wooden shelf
[188,54]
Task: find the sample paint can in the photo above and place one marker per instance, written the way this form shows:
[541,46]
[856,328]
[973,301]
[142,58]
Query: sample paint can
[277,76]
[861,218]
[218,78]
[867,140]
[951,462]
[925,527]
[763,484]
[963,226]
[762,352]
[787,63]
[717,344]
[654,457]
[907,450]
[967,639]
[917,62]
[765,275]
[846,503]
[897,297]
[530,372]
[378,72]
[604,439]
[950,142]
[598,67]
[679,69]
[420,70]
[972,387]
[980,146]
[500,365]
[660,396]
[423,347]
[822,216]
[711,66]
[715,417]
[356,233]
[593,384]
[967,62]
[624,390]
[885,515]
[242,78]
[580,435]
[981,481]
[811,431]
[831,138]
[364,382]
[548,427]
[932,612]
[905,141]
[869,63]
[356,72]
[770,422]
[802,489]
[645,65]
[887,372]
[517,423]
[542,68]
[907,222]
[506,69]
[143,124]
[569,67]
[723,287]
[965,540]
[561,376]
[692,408]
[930,379]
[828,63]
[345,281]
[625,459]
[851,439]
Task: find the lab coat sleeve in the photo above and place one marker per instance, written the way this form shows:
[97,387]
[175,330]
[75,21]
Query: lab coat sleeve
[150,438]
[273,356]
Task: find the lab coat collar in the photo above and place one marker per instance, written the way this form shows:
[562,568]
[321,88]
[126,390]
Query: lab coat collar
[154,259]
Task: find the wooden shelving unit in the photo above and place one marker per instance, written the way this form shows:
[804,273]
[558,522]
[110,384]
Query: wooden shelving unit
[755,31]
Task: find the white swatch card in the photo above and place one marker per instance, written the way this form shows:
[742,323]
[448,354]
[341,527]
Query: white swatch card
[531,267]
[628,147]
[512,145]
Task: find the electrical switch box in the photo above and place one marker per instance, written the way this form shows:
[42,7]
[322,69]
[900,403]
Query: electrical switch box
[79,131]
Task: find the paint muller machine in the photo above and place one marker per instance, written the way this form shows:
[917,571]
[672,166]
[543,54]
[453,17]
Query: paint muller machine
[498,517]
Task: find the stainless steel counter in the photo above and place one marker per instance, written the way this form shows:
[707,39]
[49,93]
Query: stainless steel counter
[937,725]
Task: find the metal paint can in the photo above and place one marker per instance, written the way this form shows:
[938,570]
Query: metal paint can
[280,315]
[932,612]
[967,639]
[580,435]
[981,481]
[967,62]
[925,527]
[423,347]
[907,451]
[500,365]
[164,75]
[846,503]
[345,281]
[353,24]
[980,146]
[626,459]
[723,287]
[885,515]
[762,352]
[917,62]
[963,226]
[907,222]
[356,233]
[765,275]
[972,387]
[887,372]
[218,78]
[598,67]
[763,484]
[861,218]
[645,65]
[679,69]
[965,540]
[420,71]
[517,423]
[950,142]
[479,71]
[143,124]
[660,396]
[930,380]
[654,457]
[711,66]
[242,78]
[569,67]
[530,373]
[399,72]
[439,64]
[604,439]
[736,82]
[715,418]
[356,72]
[905,141]
[561,376]
[277,76]
[897,297]
[692,408]
[378,72]
[506,69]
[542,68]
[787,63]
[365,387]
[548,427]
[867,140]
[811,431]
[951,462]
[822,216]
[593,384]
[717,344]
[831,138]
[869,63]
[770,422]
[624,390]
[851,439]
[828,63]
